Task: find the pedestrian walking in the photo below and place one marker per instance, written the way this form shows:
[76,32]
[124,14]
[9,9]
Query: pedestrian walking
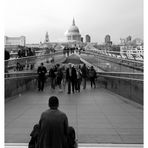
[59,77]
[78,78]
[71,78]
[41,76]
[84,70]
[52,76]
[92,76]
[64,77]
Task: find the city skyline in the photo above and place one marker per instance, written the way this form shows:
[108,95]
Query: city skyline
[118,18]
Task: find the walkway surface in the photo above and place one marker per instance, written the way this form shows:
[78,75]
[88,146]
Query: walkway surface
[98,116]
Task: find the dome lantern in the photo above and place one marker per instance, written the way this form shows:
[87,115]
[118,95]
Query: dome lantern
[73,23]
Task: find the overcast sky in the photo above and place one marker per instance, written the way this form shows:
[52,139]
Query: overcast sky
[32,18]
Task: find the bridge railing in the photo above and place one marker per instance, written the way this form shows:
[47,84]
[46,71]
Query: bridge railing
[12,63]
[110,53]
[119,54]
[122,74]
[128,85]
[16,83]
[115,58]
[133,64]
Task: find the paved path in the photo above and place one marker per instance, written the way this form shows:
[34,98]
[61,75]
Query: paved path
[98,116]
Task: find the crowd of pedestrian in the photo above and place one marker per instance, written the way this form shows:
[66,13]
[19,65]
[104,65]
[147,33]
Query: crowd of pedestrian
[25,52]
[20,66]
[74,76]
[70,50]
[53,129]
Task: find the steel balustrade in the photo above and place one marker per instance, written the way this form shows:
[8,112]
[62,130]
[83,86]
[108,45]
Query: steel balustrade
[31,59]
[121,61]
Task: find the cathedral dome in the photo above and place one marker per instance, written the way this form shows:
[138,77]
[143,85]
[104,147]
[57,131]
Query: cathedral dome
[73,32]
[73,29]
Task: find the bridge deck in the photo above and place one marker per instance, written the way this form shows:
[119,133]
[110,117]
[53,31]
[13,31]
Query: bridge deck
[98,116]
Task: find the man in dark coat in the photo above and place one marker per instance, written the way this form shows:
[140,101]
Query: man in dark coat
[52,76]
[78,80]
[71,78]
[41,76]
[74,78]
[59,76]
[53,126]
[84,75]
[92,76]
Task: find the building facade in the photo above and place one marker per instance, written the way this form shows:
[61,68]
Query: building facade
[15,41]
[108,40]
[132,48]
[73,34]
[87,38]
[33,45]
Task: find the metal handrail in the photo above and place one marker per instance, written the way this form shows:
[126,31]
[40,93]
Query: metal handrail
[93,52]
[31,57]
[98,74]
[122,78]
[107,52]
[21,72]
[20,77]
[121,73]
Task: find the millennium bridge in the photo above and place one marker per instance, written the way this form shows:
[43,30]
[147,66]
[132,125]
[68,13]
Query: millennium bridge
[111,115]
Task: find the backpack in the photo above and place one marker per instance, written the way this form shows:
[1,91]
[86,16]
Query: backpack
[92,73]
